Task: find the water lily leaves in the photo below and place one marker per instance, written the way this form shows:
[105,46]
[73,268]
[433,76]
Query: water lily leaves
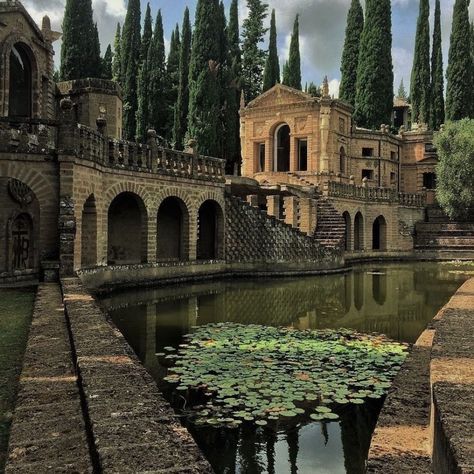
[259,374]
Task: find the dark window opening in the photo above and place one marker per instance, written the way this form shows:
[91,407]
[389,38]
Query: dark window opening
[429,180]
[283,148]
[261,157]
[367,152]
[394,156]
[369,174]
[393,177]
[303,155]
[20,96]
[430,148]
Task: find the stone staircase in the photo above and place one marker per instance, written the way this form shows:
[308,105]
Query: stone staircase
[438,232]
[331,228]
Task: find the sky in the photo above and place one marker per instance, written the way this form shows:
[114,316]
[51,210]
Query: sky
[322,26]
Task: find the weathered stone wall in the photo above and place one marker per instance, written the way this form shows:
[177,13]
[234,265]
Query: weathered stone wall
[253,236]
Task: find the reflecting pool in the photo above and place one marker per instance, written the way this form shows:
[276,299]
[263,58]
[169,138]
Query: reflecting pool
[397,300]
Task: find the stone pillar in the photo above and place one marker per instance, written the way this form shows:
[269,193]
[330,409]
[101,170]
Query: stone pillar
[293,154]
[325,115]
[308,215]
[252,199]
[269,145]
[291,210]
[273,206]
[151,237]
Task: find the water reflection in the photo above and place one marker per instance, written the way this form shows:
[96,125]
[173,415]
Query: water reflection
[397,300]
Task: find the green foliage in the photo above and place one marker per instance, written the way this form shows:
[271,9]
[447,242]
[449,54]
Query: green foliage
[117,59]
[455,170]
[80,51]
[437,74]
[263,374]
[459,91]
[107,63]
[182,105]
[420,76]
[204,93]
[271,74]
[313,90]
[374,91]
[172,78]
[350,54]
[402,93]
[253,58]
[147,33]
[130,62]
[143,111]
[292,73]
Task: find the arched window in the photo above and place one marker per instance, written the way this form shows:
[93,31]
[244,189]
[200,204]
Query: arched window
[20,95]
[379,234]
[282,148]
[358,232]
[348,239]
[342,160]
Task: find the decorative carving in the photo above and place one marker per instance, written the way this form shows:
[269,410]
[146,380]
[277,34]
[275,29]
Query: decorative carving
[259,127]
[301,123]
[405,229]
[20,192]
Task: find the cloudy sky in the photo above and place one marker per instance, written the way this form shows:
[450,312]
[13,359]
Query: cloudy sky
[322,24]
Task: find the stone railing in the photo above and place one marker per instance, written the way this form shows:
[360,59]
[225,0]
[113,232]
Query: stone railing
[18,135]
[365,193]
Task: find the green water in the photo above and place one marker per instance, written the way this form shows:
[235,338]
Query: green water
[397,300]
[16,307]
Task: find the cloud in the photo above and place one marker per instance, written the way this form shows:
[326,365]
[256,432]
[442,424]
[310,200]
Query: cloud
[334,87]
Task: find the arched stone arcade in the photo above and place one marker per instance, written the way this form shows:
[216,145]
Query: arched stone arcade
[127,230]
[210,243]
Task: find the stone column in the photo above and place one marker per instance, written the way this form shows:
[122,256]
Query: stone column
[151,236]
[291,210]
[308,215]
[269,145]
[273,206]
[325,116]
[293,154]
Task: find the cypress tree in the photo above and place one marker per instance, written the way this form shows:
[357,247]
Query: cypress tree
[107,63]
[143,111]
[459,91]
[158,81]
[293,71]
[172,76]
[253,58]
[223,80]
[437,78]
[374,90]
[313,90]
[117,62]
[420,76]
[350,53]
[402,93]
[182,105]
[131,49]
[271,74]
[147,33]
[204,94]
[232,91]
[80,51]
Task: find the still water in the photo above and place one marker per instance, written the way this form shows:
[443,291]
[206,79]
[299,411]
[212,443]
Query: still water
[396,299]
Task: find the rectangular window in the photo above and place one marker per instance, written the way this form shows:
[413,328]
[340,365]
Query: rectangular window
[429,180]
[303,155]
[367,152]
[430,148]
[393,177]
[261,157]
[394,156]
[369,174]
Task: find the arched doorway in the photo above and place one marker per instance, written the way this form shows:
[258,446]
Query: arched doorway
[210,231]
[342,160]
[348,239]
[89,233]
[172,230]
[21,82]
[358,232]
[127,230]
[379,234]
[282,148]
[21,243]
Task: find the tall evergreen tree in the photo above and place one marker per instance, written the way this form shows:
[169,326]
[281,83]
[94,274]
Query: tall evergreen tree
[292,78]
[80,51]
[271,74]
[130,50]
[158,80]
[204,94]
[143,92]
[420,83]
[402,93]
[374,90]
[233,89]
[437,77]
[459,91]
[147,33]
[350,53]
[172,76]
[117,60]
[107,63]
[253,58]
[223,79]
[182,105]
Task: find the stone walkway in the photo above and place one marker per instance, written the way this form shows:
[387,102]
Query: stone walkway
[48,432]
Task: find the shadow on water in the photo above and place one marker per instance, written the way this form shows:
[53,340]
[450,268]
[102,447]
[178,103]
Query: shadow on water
[397,300]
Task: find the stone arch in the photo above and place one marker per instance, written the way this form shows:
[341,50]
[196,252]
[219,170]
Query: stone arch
[379,233]
[172,230]
[128,187]
[89,232]
[358,232]
[210,242]
[15,41]
[342,160]
[127,234]
[348,236]
[281,147]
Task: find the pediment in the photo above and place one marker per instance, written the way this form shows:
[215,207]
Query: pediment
[279,95]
